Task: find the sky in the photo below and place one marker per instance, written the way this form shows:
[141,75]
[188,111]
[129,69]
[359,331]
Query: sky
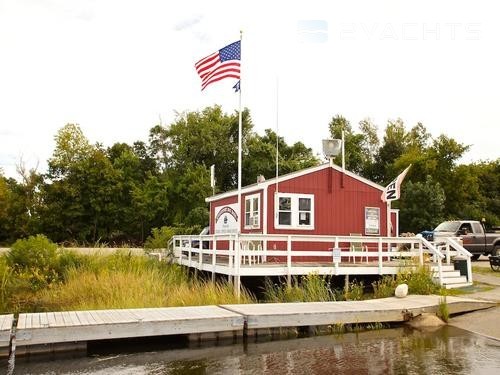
[118,68]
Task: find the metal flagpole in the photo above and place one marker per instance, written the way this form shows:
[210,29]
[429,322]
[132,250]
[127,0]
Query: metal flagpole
[239,145]
[277,122]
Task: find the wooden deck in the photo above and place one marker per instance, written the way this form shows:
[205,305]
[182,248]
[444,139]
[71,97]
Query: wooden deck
[5,332]
[290,255]
[40,330]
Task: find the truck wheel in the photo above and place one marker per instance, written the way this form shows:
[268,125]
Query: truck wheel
[496,250]
[475,256]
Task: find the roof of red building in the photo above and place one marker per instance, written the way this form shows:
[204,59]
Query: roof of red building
[288,176]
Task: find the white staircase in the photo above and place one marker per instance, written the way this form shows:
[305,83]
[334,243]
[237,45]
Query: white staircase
[451,277]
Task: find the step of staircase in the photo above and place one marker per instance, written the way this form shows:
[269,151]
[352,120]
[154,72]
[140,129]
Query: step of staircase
[454,286]
[444,267]
[452,280]
[446,274]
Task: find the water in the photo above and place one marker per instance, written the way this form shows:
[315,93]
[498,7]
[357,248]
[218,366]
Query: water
[448,350]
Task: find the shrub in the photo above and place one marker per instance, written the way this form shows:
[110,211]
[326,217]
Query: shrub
[354,291]
[160,236]
[34,260]
[419,281]
[5,283]
[312,287]
[384,287]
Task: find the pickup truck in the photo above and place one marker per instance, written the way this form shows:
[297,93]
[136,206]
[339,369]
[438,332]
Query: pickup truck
[473,235]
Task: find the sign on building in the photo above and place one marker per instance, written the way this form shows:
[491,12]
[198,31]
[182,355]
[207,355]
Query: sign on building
[226,219]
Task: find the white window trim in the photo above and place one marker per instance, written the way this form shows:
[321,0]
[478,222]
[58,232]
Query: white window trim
[294,210]
[251,198]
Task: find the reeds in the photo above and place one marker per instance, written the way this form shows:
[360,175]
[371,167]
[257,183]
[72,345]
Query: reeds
[119,280]
[129,281]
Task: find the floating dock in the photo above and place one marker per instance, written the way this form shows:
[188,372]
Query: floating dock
[57,331]
[6,323]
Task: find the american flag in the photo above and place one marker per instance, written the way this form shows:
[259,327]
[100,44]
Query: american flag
[225,63]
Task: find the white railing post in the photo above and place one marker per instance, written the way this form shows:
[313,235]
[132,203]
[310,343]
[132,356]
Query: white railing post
[447,252]
[264,256]
[237,284]
[237,260]
[214,250]
[380,255]
[421,254]
[231,253]
[200,254]
[289,261]
[440,271]
[469,270]
[188,246]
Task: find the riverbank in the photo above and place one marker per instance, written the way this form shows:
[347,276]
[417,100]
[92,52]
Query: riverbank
[483,322]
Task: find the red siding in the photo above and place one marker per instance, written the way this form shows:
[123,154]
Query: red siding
[337,210]
[232,200]
[339,207]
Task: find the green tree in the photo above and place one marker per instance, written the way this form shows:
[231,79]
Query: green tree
[261,157]
[360,148]
[421,205]
[202,138]
[82,201]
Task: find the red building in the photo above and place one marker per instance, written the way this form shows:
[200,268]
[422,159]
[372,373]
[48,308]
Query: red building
[321,200]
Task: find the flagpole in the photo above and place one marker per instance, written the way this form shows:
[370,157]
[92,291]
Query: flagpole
[277,130]
[239,145]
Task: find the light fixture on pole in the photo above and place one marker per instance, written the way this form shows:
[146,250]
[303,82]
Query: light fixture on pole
[331,148]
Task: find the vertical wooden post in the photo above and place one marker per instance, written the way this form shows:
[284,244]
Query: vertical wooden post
[214,251]
[189,251]
[200,254]
[380,255]
[230,258]
[421,253]
[289,261]
[237,283]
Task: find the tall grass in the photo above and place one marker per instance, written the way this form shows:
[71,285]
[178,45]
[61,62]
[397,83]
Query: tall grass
[311,288]
[126,281]
[419,281]
[442,311]
[102,281]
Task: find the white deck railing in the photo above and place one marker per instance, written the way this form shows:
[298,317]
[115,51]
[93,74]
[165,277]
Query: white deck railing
[451,247]
[260,255]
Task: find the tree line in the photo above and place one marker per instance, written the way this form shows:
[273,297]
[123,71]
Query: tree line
[118,194]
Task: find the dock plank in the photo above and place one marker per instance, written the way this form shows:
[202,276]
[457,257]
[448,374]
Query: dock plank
[21,321]
[51,319]
[6,322]
[58,316]
[85,318]
[44,320]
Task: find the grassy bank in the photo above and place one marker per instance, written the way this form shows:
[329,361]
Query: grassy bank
[37,276]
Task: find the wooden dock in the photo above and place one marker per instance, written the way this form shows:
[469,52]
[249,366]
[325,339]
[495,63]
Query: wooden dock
[382,310]
[43,332]
[6,322]
[71,326]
